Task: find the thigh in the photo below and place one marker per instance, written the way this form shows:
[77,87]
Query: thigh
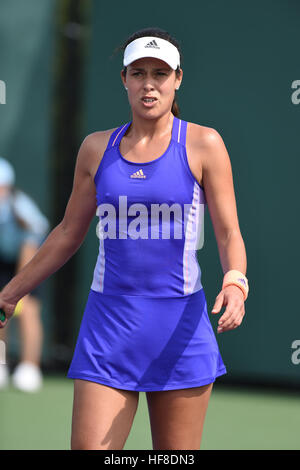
[31,307]
[102,416]
[177,417]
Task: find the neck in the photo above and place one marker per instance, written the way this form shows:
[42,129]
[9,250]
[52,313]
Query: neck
[150,127]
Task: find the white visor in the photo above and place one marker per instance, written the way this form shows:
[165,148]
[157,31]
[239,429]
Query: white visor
[149,46]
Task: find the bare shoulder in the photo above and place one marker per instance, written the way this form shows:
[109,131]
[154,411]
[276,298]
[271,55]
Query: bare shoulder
[206,142]
[92,150]
[198,140]
[202,136]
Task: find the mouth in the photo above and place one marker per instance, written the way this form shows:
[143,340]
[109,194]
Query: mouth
[149,101]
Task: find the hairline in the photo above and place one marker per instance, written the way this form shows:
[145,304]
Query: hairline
[134,67]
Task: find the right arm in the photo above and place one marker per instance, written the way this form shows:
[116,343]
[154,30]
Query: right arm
[65,239]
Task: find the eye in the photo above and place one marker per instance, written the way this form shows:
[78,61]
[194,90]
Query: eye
[136,73]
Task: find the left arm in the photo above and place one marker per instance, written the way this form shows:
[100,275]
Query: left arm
[221,202]
[27,252]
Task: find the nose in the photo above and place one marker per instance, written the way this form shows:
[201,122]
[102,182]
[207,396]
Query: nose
[148,85]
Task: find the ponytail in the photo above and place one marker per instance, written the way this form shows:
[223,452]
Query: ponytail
[175,108]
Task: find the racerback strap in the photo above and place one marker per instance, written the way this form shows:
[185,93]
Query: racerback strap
[181,134]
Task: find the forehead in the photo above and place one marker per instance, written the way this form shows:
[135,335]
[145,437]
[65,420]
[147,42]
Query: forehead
[149,63]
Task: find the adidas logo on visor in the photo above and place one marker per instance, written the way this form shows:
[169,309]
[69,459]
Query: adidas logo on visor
[152,44]
[138,174]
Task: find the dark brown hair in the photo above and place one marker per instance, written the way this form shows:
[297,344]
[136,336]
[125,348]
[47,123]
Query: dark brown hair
[158,33]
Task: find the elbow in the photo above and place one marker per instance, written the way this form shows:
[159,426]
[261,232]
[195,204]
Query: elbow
[228,235]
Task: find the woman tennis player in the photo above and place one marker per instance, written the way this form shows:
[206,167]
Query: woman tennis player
[145,326]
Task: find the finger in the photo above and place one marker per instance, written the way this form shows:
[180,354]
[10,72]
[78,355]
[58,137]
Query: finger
[232,307]
[4,317]
[3,323]
[227,319]
[230,310]
[228,316]
[218,303]
[233,322]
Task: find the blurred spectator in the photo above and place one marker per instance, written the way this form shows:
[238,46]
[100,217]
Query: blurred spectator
[23,228]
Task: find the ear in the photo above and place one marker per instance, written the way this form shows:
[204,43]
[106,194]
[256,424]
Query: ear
[123,78]
[179,79]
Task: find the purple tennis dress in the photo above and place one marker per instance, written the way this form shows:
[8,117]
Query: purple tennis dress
[145,326]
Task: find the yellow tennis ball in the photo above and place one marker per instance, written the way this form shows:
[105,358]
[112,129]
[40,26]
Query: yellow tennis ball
[18,308]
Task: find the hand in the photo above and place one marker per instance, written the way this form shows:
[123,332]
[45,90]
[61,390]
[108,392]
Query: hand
[8,308]
[233,297]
